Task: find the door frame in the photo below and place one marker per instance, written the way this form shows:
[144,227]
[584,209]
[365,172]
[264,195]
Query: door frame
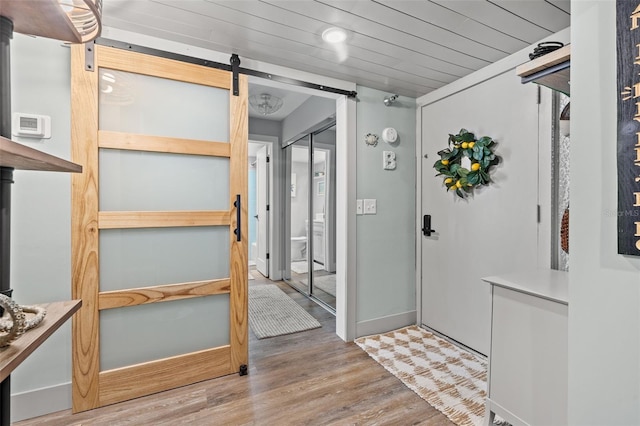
[274,247]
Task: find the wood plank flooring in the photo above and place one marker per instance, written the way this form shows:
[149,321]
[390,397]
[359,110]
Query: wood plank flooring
[310,378]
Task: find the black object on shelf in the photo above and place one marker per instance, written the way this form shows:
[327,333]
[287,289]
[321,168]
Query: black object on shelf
[544,48]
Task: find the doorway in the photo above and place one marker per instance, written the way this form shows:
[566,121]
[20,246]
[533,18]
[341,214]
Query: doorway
[311,210]
[259,194]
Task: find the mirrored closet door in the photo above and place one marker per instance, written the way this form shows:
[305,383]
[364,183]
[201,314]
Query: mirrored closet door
[311,213]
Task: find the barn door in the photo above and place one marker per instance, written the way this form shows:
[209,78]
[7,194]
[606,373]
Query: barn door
[158,225]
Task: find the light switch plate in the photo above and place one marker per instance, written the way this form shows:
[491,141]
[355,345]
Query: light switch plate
[359,207]
[370,206]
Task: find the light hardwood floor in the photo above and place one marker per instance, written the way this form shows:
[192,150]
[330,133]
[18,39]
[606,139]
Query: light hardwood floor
[310,378]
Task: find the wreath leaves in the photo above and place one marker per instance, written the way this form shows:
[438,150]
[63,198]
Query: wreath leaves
[480,153]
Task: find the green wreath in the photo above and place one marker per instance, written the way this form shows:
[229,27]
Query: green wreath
[479,151]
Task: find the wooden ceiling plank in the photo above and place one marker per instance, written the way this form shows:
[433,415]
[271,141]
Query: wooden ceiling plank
[431,67]
[496,17]
[539,12]
[354,23]
[561,4]
[457,23]
[390,17]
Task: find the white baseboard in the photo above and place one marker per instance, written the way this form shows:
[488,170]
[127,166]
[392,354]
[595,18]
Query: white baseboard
[384,324]
[38,402]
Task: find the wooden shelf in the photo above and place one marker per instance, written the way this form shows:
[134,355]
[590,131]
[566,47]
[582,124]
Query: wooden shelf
[551,70]
[21,157]
[14,354]
[44,18]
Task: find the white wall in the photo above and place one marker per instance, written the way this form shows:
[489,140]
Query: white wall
[604,287]
[41,216]
[386,241]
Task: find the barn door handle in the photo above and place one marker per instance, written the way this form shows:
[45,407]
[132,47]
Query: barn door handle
[237,204]
[426,225]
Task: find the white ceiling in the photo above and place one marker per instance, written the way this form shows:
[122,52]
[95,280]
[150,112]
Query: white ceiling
[290,101]
[409,47]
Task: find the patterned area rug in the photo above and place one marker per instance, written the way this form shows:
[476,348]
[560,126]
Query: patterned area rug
[449,378]
[273,313]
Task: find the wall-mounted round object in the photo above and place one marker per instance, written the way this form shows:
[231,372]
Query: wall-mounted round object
[389,135]
[371,139]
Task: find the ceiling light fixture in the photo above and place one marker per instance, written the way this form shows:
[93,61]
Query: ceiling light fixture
[334,35]
[265,103]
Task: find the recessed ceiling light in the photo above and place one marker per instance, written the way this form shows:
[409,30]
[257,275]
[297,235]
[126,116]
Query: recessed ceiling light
[334,35]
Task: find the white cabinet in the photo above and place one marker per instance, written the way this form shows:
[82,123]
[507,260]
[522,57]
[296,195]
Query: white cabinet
[528,361]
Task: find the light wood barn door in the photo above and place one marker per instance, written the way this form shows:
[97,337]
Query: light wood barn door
[156,261]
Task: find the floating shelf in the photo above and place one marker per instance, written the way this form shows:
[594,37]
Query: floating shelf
[77,22]
[21,157]
[552,70]
[13,355]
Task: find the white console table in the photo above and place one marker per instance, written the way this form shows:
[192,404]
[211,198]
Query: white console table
[528,361]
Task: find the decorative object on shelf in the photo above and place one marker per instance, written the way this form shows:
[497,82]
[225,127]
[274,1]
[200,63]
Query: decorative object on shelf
[15,326]
[371,139]
[564,231]
[75,21]
[464,147]
[18,322]
[552,70]
[389,135]
[265,103]
[544,48]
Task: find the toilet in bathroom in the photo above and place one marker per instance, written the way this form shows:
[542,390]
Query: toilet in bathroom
[298,248]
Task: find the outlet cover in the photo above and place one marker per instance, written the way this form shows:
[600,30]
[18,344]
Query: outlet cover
[370,206]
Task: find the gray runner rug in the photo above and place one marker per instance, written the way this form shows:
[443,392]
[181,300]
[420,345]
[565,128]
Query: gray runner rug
[273,313]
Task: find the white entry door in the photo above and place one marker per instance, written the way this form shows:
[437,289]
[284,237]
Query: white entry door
[262,210]
[496,230]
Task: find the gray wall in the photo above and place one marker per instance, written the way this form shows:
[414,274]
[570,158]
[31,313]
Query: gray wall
[260,126]
[604,287]
[311,112]
[41,222]
[386,241]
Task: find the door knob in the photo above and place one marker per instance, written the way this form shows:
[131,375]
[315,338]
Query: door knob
[426,225]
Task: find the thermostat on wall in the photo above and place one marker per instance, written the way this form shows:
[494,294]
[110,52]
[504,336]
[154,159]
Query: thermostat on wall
[31,125]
